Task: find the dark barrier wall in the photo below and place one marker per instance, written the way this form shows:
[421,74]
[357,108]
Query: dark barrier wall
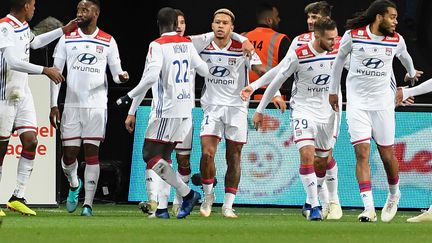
[135,27]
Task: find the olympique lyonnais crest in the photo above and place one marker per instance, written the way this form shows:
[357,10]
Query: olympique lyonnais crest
[232,61]
[99,49]
[388,51]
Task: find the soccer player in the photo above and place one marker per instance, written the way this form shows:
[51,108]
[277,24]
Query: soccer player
[328,171]
[86,52]
[16,101]
[270,45]
[225,114]
[157,189]
[313,120]
[169,62]
[372,43]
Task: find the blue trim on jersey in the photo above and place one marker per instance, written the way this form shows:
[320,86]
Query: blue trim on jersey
[17,31]
[221,53]
[162,128]
[374,43]
[393,84]
[318,59]
[159,105]
[91,41]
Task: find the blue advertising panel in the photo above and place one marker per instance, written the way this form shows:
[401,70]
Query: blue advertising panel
[270,162]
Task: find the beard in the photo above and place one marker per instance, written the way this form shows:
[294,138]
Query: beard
[385,30]
[84,23]
[326,48]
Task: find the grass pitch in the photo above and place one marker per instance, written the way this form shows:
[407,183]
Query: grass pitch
[126,223]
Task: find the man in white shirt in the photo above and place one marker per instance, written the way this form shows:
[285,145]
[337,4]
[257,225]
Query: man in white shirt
[169,63]
[313,120]
[371,42]
[225,113]
[16,101]
[328,192]
[86,51]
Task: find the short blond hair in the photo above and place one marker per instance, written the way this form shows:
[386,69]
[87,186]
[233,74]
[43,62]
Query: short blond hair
[225,11]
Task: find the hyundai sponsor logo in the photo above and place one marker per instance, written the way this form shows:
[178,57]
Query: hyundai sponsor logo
[321,79]
[373,63]
[219,71]
[87,58]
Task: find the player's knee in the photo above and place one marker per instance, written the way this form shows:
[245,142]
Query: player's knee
[30,144]
[207,156]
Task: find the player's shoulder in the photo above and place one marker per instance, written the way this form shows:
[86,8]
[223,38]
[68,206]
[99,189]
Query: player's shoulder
[167,39]
[359,33]
[103,36]
[304,52]
[73,34]
[236,46]
[6,21]
[393,39]
[305,37]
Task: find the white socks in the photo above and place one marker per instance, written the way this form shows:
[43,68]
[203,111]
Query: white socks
[91,177]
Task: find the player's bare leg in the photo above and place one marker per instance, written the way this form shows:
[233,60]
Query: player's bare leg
[391,167]
[208,172]
[363,174]
[25,167]
[309,180]
[232,176]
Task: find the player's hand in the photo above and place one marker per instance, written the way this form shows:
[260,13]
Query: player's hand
[334,102]
[54,74]
[71,26]
[279,103]
[399,98]
[246,92]
[413,79]
[123,101]
[55,117]
[248,49]
[124,77]
[257,120]
[130,123]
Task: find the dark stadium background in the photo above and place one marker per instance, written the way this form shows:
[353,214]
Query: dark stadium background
[135,27]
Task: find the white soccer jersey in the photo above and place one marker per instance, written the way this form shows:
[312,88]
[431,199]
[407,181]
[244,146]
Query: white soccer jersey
[228,69]
[312,70]
[17,36]
[87,57]
[173,93]
[312,80]
[301,40]
[369,83]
